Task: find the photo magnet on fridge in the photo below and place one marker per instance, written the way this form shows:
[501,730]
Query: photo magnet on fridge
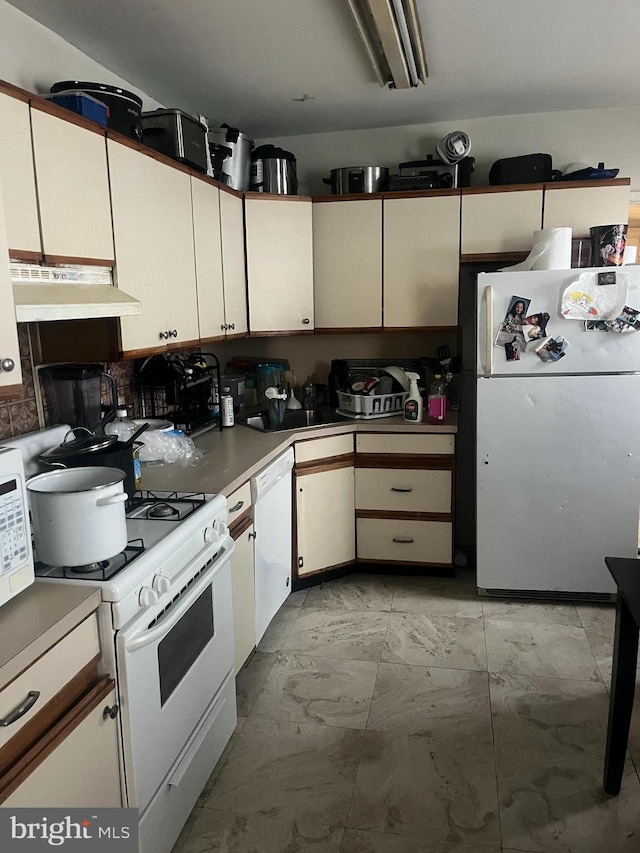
[512,352]
[510,330]
[628,321]
[553,349]
[536,326]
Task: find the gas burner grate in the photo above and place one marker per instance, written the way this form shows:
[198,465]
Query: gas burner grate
[103,571]
[148,505]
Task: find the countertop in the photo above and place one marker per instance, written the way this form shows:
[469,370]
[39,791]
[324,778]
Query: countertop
[36,619]
[234,455]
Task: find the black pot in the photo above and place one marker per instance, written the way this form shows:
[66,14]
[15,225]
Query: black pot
[125,108]
[113,455]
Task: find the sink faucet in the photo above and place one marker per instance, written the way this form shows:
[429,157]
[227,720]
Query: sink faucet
[276,397]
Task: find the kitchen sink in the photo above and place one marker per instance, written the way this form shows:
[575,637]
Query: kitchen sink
[295,419]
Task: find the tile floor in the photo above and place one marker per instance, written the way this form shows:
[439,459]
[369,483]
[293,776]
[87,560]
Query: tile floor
[406,715]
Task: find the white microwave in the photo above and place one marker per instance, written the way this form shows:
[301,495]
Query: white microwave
[16,555]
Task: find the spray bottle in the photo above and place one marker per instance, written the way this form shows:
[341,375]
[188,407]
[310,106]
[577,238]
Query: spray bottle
[413,403]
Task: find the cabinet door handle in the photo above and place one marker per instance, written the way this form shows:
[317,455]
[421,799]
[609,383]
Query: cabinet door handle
[174,333]
[21,710]
[7,365]
[402,541]
[300,562]
[238,506]
[398,489]
[223,326]
[253,535]
[164,335]
[306,321]
[110,712]
[232,326]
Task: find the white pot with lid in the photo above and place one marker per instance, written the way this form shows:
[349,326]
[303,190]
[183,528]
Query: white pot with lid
[78,515]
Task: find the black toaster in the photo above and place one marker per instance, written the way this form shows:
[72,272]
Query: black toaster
[178,135]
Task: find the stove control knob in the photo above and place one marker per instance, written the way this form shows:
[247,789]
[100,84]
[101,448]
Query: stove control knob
[148,597]
[161,584]
[211,535]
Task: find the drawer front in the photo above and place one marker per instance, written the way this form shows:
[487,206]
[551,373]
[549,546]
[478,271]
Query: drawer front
[404,541]
[323,448]
[239,502]
[49,674]
[428,444]
[401,490]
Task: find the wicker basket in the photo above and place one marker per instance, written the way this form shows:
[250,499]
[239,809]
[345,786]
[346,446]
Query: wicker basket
[375,406]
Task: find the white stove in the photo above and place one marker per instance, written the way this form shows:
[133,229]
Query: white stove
[166,626]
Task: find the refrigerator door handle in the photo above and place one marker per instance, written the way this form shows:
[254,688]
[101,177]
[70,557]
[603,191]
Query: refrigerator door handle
[488,330]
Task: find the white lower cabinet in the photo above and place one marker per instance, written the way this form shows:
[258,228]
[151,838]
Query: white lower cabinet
[82,771]
[244,595]
[325,519]
[402,540]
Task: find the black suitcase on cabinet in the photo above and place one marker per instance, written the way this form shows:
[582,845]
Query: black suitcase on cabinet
[528,169]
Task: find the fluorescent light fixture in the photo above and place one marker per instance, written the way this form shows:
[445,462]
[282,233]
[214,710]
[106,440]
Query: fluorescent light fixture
[391,33]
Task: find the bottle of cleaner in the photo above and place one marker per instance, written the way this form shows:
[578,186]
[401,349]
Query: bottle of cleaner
[437,400]
[413,403]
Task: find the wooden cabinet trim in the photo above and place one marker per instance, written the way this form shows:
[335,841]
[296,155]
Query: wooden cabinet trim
[29,256]
[350,330]
[489,257]
[323,199]
[13,778]
[276,196]
[15,92]
[427,462]
[288,333]
[114,136]
[575,185]
[143,353]
[412,563]
[502,188]
[10,392]
[405,516]
[70,259]
[50,713]
[324,571]
[241,524]
[331,463]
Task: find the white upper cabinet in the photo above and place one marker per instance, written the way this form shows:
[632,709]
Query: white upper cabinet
[279,238]
[10,372]
[73,188]
[234,271]
[500,221]
[208,255]
[153,227]
[347,264]
[18,176]
[581,207]
[421,260]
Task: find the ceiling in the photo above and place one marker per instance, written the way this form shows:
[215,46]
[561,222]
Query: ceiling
[246,61]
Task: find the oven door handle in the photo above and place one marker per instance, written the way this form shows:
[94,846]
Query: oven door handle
[160,629]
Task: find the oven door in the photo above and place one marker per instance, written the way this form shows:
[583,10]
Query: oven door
[170,666]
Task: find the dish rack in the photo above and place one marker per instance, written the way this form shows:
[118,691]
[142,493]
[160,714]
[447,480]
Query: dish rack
[375,406]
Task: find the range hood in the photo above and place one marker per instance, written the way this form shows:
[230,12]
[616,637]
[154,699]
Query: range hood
[43,293]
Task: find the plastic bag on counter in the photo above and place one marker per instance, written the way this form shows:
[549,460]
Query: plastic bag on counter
[170,446]
[595,296]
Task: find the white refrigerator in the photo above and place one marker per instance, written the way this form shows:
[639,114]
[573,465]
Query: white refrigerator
[558,443]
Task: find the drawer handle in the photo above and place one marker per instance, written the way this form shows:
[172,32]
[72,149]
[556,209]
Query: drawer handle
[22,708]
[238,506]
[402,541]
[396,489]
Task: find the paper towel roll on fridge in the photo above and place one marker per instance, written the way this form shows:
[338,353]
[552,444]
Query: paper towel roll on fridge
[551,251]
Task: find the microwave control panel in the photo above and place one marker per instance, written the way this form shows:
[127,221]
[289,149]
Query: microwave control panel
[14,547]
[16,558]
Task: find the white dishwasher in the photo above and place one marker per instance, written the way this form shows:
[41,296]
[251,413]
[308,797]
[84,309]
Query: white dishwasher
[271,493]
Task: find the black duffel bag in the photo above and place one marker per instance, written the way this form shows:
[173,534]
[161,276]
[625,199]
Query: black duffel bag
[528,169]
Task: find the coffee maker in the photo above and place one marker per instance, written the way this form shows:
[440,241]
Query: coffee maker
[73,394]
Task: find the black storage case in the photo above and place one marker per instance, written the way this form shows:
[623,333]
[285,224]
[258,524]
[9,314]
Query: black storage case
[528,169]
